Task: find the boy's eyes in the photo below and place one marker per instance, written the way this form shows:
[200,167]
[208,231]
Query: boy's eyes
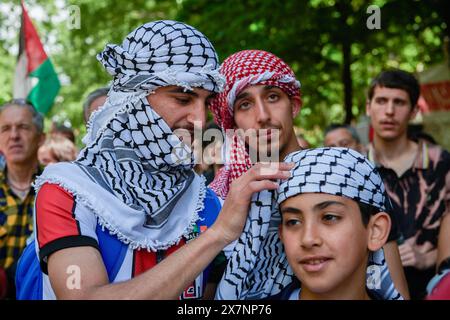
[330,217]
[326,217]
[291,222]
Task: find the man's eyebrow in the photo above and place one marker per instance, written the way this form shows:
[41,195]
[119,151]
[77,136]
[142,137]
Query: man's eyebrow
[397,100]
[325,204]
[290,210]
[182,90]
[241,96]
[269,87]
[211,96]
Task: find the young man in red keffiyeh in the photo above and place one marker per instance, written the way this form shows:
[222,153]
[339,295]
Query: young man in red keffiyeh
[252,75]
[262,94]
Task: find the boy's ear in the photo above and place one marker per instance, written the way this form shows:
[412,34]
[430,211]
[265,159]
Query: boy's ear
[378,231]
[280,229]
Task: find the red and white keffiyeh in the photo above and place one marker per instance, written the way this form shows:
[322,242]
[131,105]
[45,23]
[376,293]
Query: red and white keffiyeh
[257,267]
[244,68]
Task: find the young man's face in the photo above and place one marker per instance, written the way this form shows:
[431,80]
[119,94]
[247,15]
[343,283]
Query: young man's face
[390,111]
[19,137]
[325,241]
[181,109]
[266,107]
[341,137]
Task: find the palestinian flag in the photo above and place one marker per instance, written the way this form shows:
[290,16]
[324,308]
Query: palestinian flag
[35,78]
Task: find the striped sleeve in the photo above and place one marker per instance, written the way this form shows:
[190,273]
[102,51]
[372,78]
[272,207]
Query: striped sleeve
[61,223]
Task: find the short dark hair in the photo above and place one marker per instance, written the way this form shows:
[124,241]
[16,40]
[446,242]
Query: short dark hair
[397,79]
[64,130]
[366,212]
[350,129]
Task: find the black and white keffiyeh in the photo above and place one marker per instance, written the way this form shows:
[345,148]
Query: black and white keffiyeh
[134,173]
[337,171]
[258,266]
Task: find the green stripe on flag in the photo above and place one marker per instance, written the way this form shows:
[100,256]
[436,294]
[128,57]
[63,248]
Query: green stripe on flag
[44,93]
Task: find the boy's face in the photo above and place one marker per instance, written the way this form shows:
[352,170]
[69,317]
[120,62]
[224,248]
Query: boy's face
[390,111]
[266,107]
[325,241]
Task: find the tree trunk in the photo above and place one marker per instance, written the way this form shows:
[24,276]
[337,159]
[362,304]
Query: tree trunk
[347,80]
[345,10]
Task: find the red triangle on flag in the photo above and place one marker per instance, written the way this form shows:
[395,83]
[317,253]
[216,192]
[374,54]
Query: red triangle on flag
[33,46]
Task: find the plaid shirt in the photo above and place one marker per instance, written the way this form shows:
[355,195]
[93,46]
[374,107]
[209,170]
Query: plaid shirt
[16,221]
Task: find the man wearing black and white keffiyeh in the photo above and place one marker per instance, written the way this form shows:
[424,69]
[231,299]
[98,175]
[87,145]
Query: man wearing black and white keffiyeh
[134,180]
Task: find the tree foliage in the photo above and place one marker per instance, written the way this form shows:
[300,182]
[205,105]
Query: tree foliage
[311,35]
[326,42]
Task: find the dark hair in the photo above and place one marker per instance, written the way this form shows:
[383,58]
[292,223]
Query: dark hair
[63,130]
[367,211]
[350,129]
[397,79]
[100,92]
[416,133]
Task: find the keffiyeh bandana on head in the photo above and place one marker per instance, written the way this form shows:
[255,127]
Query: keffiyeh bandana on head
[337,171]
[243,69]
[135,174]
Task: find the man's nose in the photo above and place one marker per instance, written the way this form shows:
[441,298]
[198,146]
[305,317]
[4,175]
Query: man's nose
[262,112]
[197,115]
[14,133]
[390,108]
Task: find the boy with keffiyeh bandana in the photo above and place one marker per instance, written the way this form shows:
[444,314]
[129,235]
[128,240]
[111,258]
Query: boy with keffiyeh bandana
[262,93]
[129,218]
[334,223]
